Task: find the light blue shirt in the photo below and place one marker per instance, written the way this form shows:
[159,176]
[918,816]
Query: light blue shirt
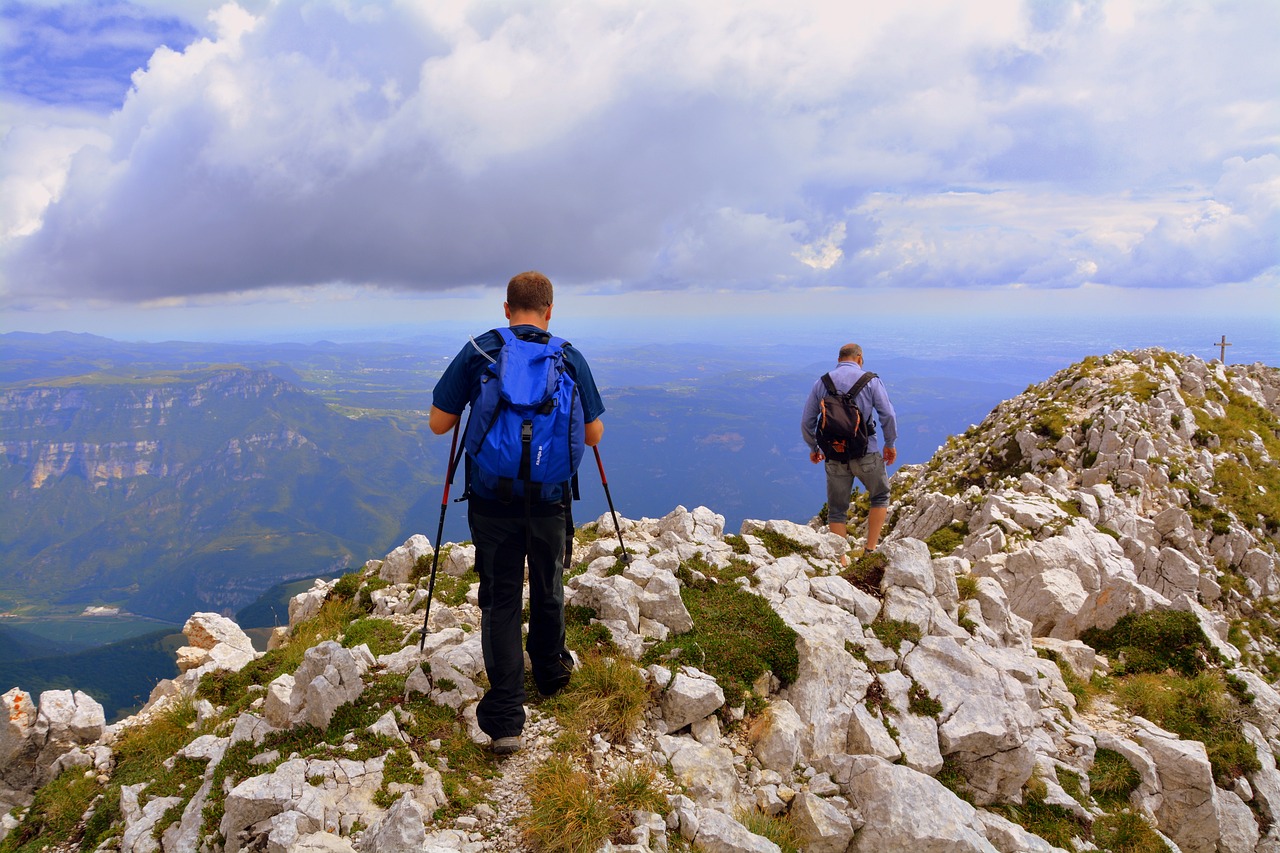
[873,399]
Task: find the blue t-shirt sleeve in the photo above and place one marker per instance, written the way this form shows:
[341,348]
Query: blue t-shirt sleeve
[592,404]
[459,382]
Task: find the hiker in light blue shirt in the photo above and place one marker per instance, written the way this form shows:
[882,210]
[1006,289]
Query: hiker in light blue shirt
[869,469]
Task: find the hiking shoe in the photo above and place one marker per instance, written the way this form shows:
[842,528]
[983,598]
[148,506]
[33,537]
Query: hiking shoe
[563,670]
[506,745]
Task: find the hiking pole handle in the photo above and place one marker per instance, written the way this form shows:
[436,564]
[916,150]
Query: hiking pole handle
[435,556]
[604,481]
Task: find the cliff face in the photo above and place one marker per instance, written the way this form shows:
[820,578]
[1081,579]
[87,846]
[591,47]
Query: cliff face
[175,492]
[1069,638]
[33,419]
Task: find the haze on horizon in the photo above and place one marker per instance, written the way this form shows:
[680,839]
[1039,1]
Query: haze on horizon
[176,167]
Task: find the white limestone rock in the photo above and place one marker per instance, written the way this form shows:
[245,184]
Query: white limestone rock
[706,772]
[719,833]
[461,559]
[306,604]
[829,682]
[688,696]
[906,810]
[401,830]
[216,640]
[821,826]
[987,717]
[781,742]
[397,567]
[328,677]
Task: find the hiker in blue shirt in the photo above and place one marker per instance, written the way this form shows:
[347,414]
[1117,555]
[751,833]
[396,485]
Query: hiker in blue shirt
[869,468]
[506,530]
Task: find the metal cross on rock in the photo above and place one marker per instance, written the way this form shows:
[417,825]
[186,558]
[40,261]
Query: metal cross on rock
[1222,345]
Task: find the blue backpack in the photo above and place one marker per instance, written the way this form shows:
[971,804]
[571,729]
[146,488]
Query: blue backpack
[526,428]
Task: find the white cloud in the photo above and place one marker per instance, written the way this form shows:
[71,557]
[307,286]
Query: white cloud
[719,143]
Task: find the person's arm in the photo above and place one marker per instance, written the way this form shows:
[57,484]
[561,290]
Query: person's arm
[809,422]
[452,393]
[888,419]
[441,421]
[588,394]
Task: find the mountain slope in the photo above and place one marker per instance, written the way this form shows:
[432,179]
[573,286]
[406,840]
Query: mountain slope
[1068,641]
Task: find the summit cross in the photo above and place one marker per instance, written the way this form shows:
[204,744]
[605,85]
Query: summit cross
[1222,346]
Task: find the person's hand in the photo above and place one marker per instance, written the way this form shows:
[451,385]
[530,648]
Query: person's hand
[815,456]
[890,455]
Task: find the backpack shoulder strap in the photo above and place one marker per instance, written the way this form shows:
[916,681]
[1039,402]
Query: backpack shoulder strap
[505,334]
[830,385]
[862,382]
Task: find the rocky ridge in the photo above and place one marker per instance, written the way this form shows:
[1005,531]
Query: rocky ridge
[933,701]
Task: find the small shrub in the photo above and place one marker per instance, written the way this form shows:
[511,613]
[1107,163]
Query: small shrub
[738,544]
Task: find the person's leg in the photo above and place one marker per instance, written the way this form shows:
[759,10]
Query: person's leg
[875,521]
[500,545]
[548,656]
[871,472]
[839,488]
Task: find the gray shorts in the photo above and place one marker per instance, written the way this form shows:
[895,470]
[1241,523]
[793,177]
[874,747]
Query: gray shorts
[870,472]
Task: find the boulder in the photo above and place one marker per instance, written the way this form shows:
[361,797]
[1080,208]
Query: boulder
[906,810]
[398,566]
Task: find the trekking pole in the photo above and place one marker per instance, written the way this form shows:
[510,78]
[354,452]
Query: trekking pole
[626,557]
[435,557]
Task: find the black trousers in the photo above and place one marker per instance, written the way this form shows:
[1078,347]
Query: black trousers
[504,538]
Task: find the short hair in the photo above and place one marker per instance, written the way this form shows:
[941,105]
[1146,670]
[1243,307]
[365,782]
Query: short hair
[849,352]
[529,291]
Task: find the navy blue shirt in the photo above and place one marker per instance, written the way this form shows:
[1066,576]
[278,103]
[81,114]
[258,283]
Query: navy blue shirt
[459,386]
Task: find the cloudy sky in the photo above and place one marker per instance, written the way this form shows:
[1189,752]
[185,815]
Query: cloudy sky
[170,164]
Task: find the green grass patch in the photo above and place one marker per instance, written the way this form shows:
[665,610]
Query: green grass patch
[779,545]
[1112,779]
[572,812]
[967,587]
[779,829]
[1055,824]
[944,541]
[736,637]
[606,695]
[1126,832]
[55,814]
[867,573]
[381,635]
[920,703]
[738,544]
[892,632]
[1202,708]
[1154,642]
